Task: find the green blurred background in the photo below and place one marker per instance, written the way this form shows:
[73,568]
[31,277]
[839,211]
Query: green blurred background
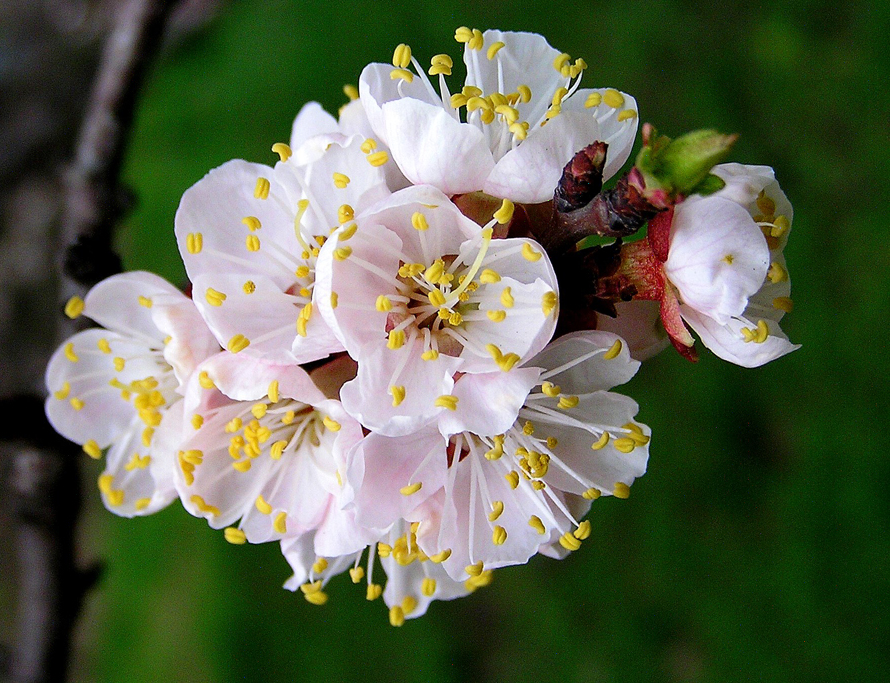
[755,548]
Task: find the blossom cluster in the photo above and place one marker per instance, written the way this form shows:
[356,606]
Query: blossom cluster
[372,368]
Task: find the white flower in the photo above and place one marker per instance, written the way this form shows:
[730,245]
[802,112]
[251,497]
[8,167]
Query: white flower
[725,261]
[250,236]
[523,116]
[495,495]
[413,579]
[268,450]
[117,388]
[416,291]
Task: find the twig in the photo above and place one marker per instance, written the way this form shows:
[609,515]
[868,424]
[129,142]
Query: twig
[42,472]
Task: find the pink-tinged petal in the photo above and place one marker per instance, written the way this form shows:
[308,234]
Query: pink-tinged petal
[523,330]
[214,208]
[299,551]
[369,397]
[728,341]
[617,125]
[190,341]
[526,59]
[489,403]
[639,324]
[82,405]
[577,362]
[431,147]
[339,534]
[376,88]
[243,378]
[311,120]
[388,466]
[575,466]
[530,172]
[473,486]
[718,256]
[354,121]
[743,182]
[123,303]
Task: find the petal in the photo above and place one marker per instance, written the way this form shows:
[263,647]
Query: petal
[617,125]
[190,340]
[718,256]
[743,182]
[387,465]
[432,148]
[526,59]
[639,324]
[728,342]
[576,362]
[376,88]
[248,379]
[489,403]
[312,120]
[123,303]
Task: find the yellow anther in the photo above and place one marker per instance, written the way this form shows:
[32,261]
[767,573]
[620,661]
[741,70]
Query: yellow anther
[505,213]
[613,98]
[621,490]
[535,523]
[494,453]
[498,99]
[342,253]
[204,507]
[252,222]
[583,531]
[476,102]
[488,277]
[234,536]
[238,343]
[627,115]
[384,549]
[613,351]
[277,449]
[194,242]
[436,297]
[601,443]
[591,494]
[776,273]
[402,74]
[783,303]
[119,364]
[525,93]
[519,130]
[437,69]
[497,508]
[341,180]
[261,191]
[636,433]
[74,307]
[282,150]
[558,94]
[357,574]
[142,503]
[91,448]
[419,222]
[455,318]
[249,287]
[316,598]
[499,535]
[280,523]
[396,616]
[331,424]
[463,35]
[781,225]
[401,56]
[566,402]
[145,302]
[477,41]
[428,587]
[494,48]
[197,421]
[115,497]
[345,213]
[569,542]
[69,352]
[320,565]
[507,299]
[374,591]
[252,242]
[383,304]
[77,403]
[306,311]
[369,145]
[474,569]
[443,59]
[398,394]
[411,488]
[529,253]
[272,391]
[538,485]
[138,462]
[262,506]
[233,425]
[192,456]
[214,297]
[458,100]
[396,339]
[496,316]
[512,479]
[377,158]
[63,392]
[103,345]
[447,401]
[430,354]
[440,557]
[350,91]
[594,99]
[335,299]
[510,114]
[259,410]
[548,302]
[147,435]
[561,61]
